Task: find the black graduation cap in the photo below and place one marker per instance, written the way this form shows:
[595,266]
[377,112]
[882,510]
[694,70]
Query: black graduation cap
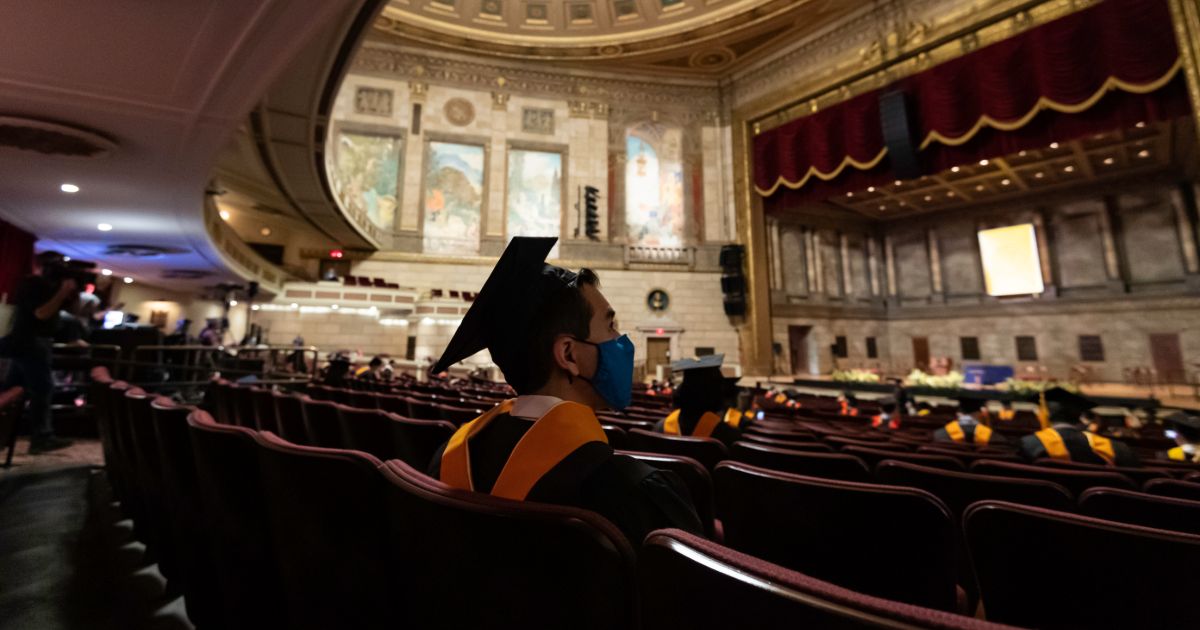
[1185,423]
[702,379]
[1066,406]
[499,319]
[969,405]
[887,403]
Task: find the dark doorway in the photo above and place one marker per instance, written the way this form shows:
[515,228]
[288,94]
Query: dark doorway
[798,348]
[1168,358]
[921,353]
[658,352]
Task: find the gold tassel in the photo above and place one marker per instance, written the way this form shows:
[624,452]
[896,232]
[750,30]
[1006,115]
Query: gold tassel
[1043,412]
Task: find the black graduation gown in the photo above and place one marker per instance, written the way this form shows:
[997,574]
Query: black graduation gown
[722,432]
[634,496]
[1078,448]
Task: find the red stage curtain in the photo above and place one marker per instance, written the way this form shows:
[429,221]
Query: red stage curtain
[16,256]
[1103,68]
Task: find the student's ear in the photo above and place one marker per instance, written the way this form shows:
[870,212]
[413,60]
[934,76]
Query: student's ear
[564,350]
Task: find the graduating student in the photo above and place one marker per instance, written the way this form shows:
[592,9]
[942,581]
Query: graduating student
[1066,438]
[555,338]
[968,428]
[705,402]
[889,414]
[1185,430]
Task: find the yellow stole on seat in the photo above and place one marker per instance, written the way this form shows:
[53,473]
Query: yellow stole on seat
[954,430]
[1102,446]
[1053,443]
[733,417]
[703,428]
[554,436]
[983,434]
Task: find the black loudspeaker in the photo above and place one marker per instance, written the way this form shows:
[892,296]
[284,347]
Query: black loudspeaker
[252,290]
[733,279]
[895,116]
[591,197]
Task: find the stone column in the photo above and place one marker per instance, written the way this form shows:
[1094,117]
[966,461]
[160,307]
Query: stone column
[847,280]
[935,265]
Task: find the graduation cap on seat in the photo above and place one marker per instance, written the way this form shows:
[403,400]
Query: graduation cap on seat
[1066,406]
[500,319]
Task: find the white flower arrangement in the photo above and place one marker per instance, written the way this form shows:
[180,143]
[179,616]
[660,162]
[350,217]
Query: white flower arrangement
[855,376]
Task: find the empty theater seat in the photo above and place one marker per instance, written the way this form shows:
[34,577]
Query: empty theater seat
[958,490]
[264,409]
[322,423]
[1139,508]
[685,581]
[327,533]
[1174,488]
[1139,475]
[289,413]
[887,541]
[1047,569]
[815,464]
[1074,480]
[804,445]
[872,457]
[475,561]
[694,476]
[707,451]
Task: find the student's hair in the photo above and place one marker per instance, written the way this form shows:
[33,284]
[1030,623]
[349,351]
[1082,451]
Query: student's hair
[564,311]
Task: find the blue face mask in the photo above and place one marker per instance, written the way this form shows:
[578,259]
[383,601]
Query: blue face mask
[613,379]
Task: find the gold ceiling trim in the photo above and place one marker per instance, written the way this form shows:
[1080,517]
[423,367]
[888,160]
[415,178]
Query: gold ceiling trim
[814,172]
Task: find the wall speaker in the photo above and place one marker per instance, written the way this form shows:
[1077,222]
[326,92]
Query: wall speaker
[896,118]
[733,279]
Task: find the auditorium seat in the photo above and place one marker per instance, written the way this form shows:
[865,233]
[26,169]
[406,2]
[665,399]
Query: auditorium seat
[616,436]
[1139,508]
[289,412]
[471,560]
[133,503]
[367,430]
[363,399]
[97,396]
[190,539]
[320,392]
[417,440]
[694,475]
[970,455]
[423,409]
[816,464]
[243,406]
[838,441]
[395,404]
[685,581]
[1193,477]
[1139,475]
[886,541]
[1046,569]
[1174,488]
[707,451]
[322,423]
[223,407]
[264,409]
[147,475]
[226,460]
[625,423]
[819,447]
[1074,480]
[872,457]
[327,533]
[457,415]
[958,490]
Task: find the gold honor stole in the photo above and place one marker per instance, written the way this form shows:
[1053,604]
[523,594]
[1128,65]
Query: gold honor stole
[554,436]
[733,417]
[704,427]
[1057,449]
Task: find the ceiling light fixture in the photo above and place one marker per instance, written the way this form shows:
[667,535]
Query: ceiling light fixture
[883,207]
[1022,152]
[1069,169]
[870,189]
[1108,160]
[950,194]
[104,227]
[335,307]
[1039,174]
[955,169]
[128,280]
[1140,124]
[1005,182]
[849,194]
[979,187]
[233,302]
[1053,145]
[1143,153]
[106,272]
[928,197]
[265,231]
[899,183]
[983,162]
[70,189]
[254,307]
[224,215]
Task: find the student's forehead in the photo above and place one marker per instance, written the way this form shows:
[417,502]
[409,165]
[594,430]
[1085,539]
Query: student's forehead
[599,303]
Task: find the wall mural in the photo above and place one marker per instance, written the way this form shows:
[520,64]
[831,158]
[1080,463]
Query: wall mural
[453,198]
[534,194]
[365,175]
[654,185]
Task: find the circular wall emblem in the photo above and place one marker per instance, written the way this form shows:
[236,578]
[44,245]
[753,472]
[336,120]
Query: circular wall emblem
[459,111]
[658,300]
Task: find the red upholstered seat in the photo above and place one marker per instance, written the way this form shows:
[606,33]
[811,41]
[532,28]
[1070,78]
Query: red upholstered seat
[457,415]
[816,464]
[289,412]
[1139,475]
[694,475]
[801,445]
[968,455]
[328,532]
[364,399]
[872,457]
[676,570]
[1139,508]
[1174,488]
[958,490]
[616,436]
[226,460]
[887,541]
[263,401]
[1074,480]
[147,476]
[133,502]
[841,442]
[478,561]
[395,404]
[367,430]
[243,407]
[322,423]
[1046,569]
[707,451]
[423,409]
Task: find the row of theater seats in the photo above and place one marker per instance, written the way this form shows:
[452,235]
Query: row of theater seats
[364,281]
[900,537]
[258,531]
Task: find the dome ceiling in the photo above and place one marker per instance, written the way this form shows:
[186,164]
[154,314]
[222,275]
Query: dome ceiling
[707,37]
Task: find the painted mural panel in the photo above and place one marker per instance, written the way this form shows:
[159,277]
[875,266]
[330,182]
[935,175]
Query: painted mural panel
[453,198]
[654,186]
[365,176]
[534,194]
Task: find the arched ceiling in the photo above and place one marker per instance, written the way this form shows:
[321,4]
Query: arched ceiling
[698,37]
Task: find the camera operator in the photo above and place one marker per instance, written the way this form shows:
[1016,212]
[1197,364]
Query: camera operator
[39,298]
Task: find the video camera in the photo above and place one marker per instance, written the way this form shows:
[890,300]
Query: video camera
[81,271]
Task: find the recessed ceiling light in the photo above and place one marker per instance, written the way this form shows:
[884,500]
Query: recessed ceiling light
[979,187]
[104,227]
[899,183]
[295,305]
[224,215]
[1140,124]
[265,231]
[883,207]
[983,162]
[1069,169]
[233,302]
[1108,160]
[106,272]
[1053,145]
[950,194]
[903,203]
[928,197]
[1039,174]
[128,280]
[66,259]
[69,188]
[849,194]
[1005,182]
[1022,152]
[254,307]
[870,189]
[1143,153]
[955,169]
[335,307]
